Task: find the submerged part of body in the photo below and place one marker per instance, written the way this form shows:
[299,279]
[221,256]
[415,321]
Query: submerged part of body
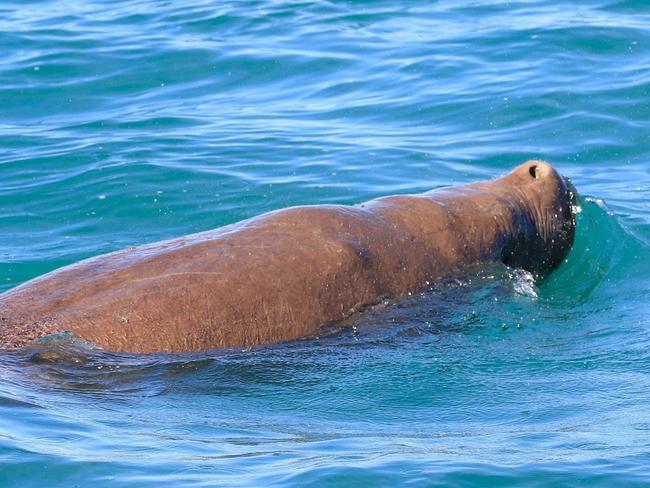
[283,275]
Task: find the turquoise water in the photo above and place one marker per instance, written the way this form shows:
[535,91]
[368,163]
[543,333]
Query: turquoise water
[131,121]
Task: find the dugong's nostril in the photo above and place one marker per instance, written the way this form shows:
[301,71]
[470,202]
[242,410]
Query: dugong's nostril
[538,169]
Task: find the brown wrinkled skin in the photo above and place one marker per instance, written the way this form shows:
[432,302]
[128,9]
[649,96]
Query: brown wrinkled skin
[284,274]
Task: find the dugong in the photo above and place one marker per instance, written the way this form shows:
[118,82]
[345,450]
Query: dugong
[284,274]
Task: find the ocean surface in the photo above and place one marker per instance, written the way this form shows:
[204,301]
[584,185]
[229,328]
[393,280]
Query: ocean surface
[130,121]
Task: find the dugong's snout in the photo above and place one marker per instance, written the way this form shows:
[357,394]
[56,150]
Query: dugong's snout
[549,202]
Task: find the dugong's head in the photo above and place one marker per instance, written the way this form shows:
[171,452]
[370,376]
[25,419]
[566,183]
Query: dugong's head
[547,203]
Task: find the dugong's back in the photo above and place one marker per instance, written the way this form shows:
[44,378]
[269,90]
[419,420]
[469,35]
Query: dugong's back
[273,278]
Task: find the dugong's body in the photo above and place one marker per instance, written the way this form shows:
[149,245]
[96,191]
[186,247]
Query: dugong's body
[284,274]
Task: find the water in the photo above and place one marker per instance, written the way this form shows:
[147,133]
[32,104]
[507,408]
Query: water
[131,121]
